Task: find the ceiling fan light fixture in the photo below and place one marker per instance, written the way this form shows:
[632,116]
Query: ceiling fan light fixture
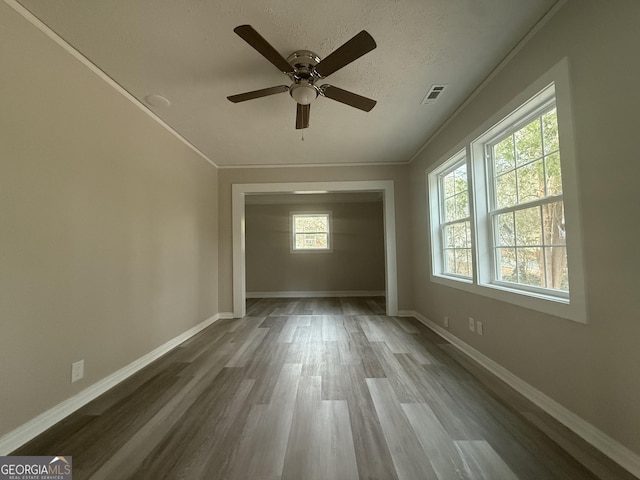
[304,68]
[303,93]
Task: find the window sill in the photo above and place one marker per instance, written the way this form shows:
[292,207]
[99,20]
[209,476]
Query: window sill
[312,250]
[559,307]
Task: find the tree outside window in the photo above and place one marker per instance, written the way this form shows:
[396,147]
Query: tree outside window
[527,210]
[456,224]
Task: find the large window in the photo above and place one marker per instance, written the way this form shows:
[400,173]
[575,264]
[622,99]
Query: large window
[310,231]
[526,205]
[500,223]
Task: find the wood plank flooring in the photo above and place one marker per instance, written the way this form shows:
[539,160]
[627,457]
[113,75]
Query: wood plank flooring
[318,389]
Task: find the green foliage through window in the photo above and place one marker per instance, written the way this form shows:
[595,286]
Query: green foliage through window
[456,228]
[311,231]
[527,207]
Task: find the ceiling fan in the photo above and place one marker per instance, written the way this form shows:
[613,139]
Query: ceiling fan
[305,69]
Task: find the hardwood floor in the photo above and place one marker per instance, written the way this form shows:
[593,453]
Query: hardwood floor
[318,389]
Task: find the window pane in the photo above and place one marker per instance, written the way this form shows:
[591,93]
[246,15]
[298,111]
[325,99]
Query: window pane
[540,257]
[530,266]
[531,182]
[457,235]
[554,174]
[503,156]
[321,240]
[462,204]
[506,192]
[460,235]
[449,236]
[528,227]
[506,264]
[457,250]
[456,207]
[458,261]
[505,234]
[311,240]
[456,196]
[553,222]
[556,267]
[550,131]
[532,176]
[528,142]
[311,223]
[460,174]
[463,262]
[449,184]
[450,209]
[449,261]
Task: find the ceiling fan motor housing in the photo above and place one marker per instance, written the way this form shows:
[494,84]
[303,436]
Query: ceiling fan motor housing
[303,61]
[303,90]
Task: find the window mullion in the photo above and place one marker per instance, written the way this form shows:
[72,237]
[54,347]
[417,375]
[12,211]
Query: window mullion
[523,206]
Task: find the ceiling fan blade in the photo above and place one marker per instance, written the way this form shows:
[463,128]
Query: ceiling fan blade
[243,97]
[302,116]
[348,98]
[355,48]
[253,38]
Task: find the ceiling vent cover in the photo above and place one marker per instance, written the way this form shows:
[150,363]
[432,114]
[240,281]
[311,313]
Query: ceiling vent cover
[433,94]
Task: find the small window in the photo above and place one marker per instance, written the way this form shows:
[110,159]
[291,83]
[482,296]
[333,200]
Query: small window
[311,231]
[455,220]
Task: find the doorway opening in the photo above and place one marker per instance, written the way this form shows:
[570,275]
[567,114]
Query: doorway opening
[241,191]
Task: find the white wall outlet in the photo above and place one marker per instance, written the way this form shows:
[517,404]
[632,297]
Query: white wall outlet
[446,322]
[472,324]
[479,328]
[77,371]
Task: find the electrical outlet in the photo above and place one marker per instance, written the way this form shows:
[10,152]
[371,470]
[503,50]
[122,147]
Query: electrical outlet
[479,328]
[446,322]
[77,371]
[472,324]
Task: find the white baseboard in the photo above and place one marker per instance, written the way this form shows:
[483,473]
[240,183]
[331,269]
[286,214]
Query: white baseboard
[28,431]
[319,294]
[600,440]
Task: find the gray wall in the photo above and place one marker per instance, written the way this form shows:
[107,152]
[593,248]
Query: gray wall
[116,237]
[108,227]
[355,262]
[592,369]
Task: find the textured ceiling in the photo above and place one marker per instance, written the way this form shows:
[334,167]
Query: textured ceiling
[187,52]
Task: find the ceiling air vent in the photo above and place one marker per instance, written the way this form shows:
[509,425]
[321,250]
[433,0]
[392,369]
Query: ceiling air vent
[433,94]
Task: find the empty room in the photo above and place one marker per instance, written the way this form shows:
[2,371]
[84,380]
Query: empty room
[319,240]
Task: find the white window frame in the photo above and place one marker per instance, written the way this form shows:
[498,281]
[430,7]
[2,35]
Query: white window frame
[570,306]
[541,103]
[438,252]
[293,215]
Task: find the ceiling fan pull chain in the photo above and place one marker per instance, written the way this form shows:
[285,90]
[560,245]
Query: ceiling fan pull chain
[303,134]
